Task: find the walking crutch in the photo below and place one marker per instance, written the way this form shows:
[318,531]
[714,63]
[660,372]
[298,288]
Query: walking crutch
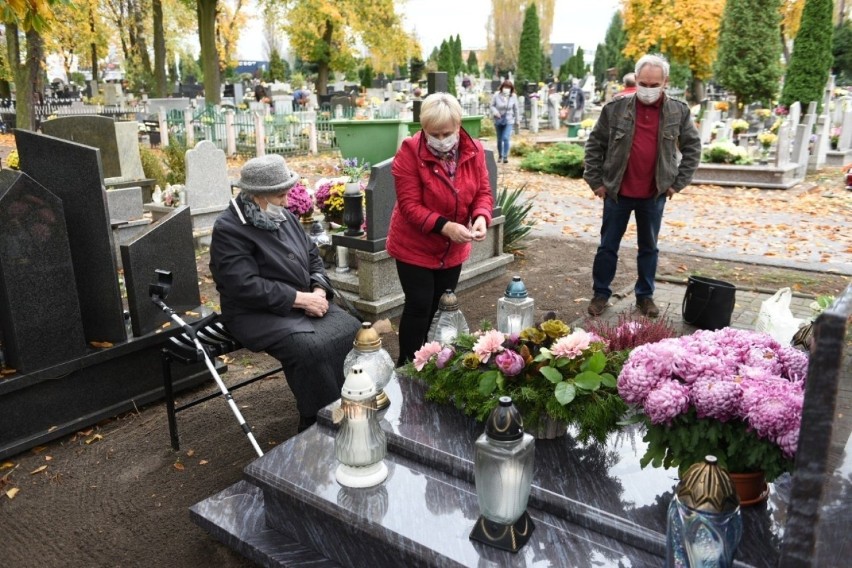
[158,292]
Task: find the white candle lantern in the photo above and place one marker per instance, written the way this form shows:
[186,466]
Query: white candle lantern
[515,310]
[360,445]
[377,363]
[448,322]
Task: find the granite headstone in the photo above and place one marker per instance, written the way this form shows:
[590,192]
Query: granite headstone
[72,172]
[207,183]
[96,131]
[40,316]
[166,245]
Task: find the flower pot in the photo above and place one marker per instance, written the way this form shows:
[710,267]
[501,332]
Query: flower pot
[549,428]
[751,487]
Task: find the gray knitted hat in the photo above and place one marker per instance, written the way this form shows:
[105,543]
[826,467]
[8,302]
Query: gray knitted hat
[267,174]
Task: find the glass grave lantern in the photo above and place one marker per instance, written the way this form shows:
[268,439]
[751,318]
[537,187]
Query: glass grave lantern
[515,310]
[360,445]
[367,351]
[704,524]
[449,321]
[503,473]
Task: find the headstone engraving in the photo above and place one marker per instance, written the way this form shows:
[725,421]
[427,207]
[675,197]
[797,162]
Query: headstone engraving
[144,254]
[40,317]
[95,131]
[72,172]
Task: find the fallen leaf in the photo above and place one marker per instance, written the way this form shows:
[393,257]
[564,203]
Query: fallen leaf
[94,438]
[203,462]
[48,458]
[166,325]
[191,313]
[682,268]
[39,469]
[12,492]
[6,465]
[8,371]
[52,428]
[100,344]
[190,453]
[178,466]
[39,449]
[87,432]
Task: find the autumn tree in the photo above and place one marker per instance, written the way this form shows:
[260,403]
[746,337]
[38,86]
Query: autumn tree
[686,32]
[504,30]
[326,32]
[748,62]
[529,50]
[811,58]
[75,31]
[791,19]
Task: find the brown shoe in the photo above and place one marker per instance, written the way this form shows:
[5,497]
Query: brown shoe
[597,306]
[647,307]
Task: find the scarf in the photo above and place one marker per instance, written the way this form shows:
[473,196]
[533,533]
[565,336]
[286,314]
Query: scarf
[449,160]
[254,214]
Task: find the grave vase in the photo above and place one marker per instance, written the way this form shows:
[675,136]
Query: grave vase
[751,487]
[549,428]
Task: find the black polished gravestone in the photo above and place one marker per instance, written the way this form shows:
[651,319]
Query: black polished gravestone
[144,254]
[91,130]
[73,173]
[39,310]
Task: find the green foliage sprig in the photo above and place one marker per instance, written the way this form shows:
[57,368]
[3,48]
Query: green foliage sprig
[560,159]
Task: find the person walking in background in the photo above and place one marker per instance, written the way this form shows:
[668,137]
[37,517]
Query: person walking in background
[651,150]
[504,111]
[443,203]
[629,86]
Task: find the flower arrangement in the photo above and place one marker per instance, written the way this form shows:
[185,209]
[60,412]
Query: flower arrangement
[588,123]
[549,370]
[721,106]
[739,125]
[726,152]
[775,126]
[172,195]
[353,170]
[763,113]
[12,160]
[299,201]
[329,197]
[781,110]
[731,393]
[767,139]
[834,136]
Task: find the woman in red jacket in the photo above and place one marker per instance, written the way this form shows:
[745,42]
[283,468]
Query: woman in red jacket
[443,203]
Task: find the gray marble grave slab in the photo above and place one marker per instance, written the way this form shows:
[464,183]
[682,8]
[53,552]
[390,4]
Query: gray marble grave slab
[127,139]
[207,184]
[782,148]
[73,173]
[40,319]
[166,245]
[96,131]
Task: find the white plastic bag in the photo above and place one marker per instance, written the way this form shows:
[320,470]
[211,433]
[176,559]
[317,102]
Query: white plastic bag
[776,319]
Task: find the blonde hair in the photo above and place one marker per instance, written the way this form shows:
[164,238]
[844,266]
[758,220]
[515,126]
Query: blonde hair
[440,109]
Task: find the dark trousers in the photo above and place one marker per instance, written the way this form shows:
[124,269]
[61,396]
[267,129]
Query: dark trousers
[616,214]
[422,288]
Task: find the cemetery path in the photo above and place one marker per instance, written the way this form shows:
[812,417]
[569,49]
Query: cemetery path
[115,494]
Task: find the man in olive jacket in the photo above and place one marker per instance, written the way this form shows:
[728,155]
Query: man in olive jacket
[644,148]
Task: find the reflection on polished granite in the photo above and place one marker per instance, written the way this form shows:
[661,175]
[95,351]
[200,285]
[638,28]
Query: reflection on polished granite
[592,504]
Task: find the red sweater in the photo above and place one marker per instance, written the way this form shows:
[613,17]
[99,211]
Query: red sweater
[639,178]
[425,193]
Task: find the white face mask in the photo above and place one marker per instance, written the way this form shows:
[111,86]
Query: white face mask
[506,92]
[444,145]
[274,212]
[648,95]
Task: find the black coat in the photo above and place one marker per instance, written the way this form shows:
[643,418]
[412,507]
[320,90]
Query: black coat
[258,273]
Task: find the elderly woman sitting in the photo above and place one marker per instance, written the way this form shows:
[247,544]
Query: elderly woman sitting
[273,289]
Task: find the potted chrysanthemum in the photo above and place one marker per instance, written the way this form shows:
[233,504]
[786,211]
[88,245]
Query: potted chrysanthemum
[731,393]
[300,203]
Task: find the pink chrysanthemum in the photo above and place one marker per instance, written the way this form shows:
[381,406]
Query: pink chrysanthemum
[773,406]
[716,397]
[572,346]
[490,342]
[794,363]
[789,442]
[667,401]
[646,366]
[422,355]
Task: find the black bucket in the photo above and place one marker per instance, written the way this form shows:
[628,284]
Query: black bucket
[708,303]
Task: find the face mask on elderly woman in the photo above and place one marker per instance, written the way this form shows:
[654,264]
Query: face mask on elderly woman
[274,212]
[442,144]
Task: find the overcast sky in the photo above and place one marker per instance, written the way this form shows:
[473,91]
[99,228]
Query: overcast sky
[582,23]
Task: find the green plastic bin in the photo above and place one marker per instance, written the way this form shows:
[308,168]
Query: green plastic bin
[372,140]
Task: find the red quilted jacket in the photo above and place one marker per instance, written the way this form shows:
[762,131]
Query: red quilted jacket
[424,193]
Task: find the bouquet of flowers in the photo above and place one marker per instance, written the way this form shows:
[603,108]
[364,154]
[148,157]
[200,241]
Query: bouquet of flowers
[732,393]
[726,152]
[781,110]
[767,139]
[834,136]
[353,170]
[12,160]
[299,201]
[329,197]
[549,370]
[721,106]
[172,195]
[763,113]
[739,125]
[588,123]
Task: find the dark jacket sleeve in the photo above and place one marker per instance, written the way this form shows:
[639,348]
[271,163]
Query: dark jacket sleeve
[237,276]
[596,148]
[690,149]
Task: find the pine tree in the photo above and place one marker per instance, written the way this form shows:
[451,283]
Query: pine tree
[276,66]
[458,61]
[842,51]
[599,67]
[811,58]
[529,53]
[415,69]
[472,64]
[367,76]
[748,62]
[615,40]
[445,63]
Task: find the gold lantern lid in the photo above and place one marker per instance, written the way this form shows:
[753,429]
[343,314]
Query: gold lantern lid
[707,487]
[367,339]
[448,302]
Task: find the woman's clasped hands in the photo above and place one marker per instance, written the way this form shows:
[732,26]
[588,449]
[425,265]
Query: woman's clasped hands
[458,233]
[313,303]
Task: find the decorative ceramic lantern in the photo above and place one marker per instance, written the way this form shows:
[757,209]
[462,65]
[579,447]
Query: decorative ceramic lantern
[448,322]
[704,524]
[503,473]
[360,445]
[377,362]
[515,310]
